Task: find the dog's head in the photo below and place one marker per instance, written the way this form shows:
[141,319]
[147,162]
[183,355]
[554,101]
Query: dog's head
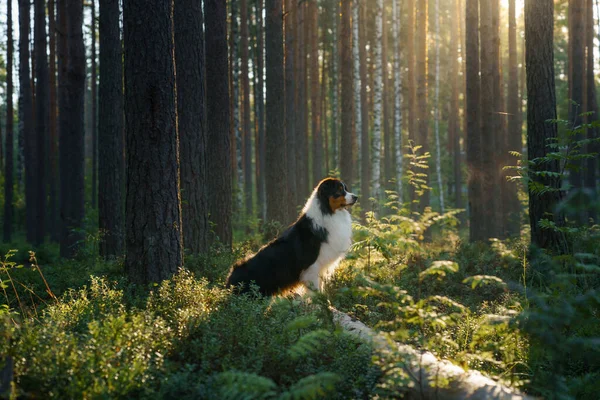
[333,196]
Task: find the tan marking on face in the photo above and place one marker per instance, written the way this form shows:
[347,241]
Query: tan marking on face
[337,202]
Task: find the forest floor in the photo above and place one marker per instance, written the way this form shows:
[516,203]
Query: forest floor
[522,318]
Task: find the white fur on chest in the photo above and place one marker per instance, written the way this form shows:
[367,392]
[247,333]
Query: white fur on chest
[339,240]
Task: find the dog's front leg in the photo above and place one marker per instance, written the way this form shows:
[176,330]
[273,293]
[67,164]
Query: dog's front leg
[311,277]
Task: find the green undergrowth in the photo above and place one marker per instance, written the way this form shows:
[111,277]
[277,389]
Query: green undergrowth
[186,338]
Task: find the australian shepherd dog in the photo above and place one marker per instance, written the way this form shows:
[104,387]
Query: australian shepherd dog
[308,251]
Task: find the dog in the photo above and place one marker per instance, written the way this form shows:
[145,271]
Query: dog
[308,250]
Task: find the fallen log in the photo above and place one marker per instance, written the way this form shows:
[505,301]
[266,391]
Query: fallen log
[427,371]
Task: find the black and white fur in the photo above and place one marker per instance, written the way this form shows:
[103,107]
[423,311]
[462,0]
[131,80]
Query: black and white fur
[308,251]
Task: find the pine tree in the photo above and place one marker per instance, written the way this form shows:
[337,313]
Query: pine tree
[348,139]
[377,105]
[9,170]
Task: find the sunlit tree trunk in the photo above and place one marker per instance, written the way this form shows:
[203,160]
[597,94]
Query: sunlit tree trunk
[315,94]
[348,140]
[335,85]
[397,99]
[302,180]
[438,157]
[454,117]
[356,43]
[377,105]
[422,138]
[514,129]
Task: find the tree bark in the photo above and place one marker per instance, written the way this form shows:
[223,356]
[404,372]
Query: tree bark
[191,122]
[246,127]
[356,45]
[94,110]
[454,118]
[315,94]
[9,162]
[291,10]
[42,120]
[438,157]
[71,106]
[473,110]
[26,118]
[541,106]
[589,172]
[260,148]
[111,162]
[396,17]
[234,100]
[411,104]
[422,138]
[53,205]
[576,79]
[365,156]
[275,132]
[514,142]
[377,106]
[335,85]
[217,125]
[348,139]
[153,205]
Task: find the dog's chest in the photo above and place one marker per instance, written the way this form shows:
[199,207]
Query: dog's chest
[339,237]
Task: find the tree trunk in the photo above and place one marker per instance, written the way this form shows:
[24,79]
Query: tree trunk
[275,133]
[217,125]
[397,100]
[541,106]
[488,197]
[411,105]
[71,106]
[334,85]
[53,212]
[377,106]
[315,94]
[94,111]
[234,83]
[302,180]
[422,138]
[42,120]
[589,172]
[191,123]
[387,122]
[111,163]
[576,78]
[514,129]
[259,154]
[153,205]
[473,110]
[365,156]
[8,171]
[348,138]
[454,118]
[290,111]
[438,157]
[246,127]
[26,118]
[356,45]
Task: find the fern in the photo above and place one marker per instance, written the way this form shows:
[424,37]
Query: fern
[236,385]
[312,387]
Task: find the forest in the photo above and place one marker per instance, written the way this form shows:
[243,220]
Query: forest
[146,146]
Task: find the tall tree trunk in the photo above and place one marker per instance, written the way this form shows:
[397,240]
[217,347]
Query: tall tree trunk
[9,162]
[111,162]
[246,127]
[302,180]
[397,100]
[387,122]
[217,124]
[576,78]
[411,103]
[473,110]
[454,118]
[71,106]
[275,133]
[153,234]
[53,214]
[334,85]
[589,172]
[26,118]
[315,94]
[234,83]
[514,129]
[42,119]
[94,111]
[488,123]
[422,138]
[191,123]
[377,106]
[260,111]
[348,138]
[436,112]
[541,106]
[365,154]
[356,44]
[291,9]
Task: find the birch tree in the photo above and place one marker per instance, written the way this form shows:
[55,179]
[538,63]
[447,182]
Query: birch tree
[377,104]
[437,105]
[397,99]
